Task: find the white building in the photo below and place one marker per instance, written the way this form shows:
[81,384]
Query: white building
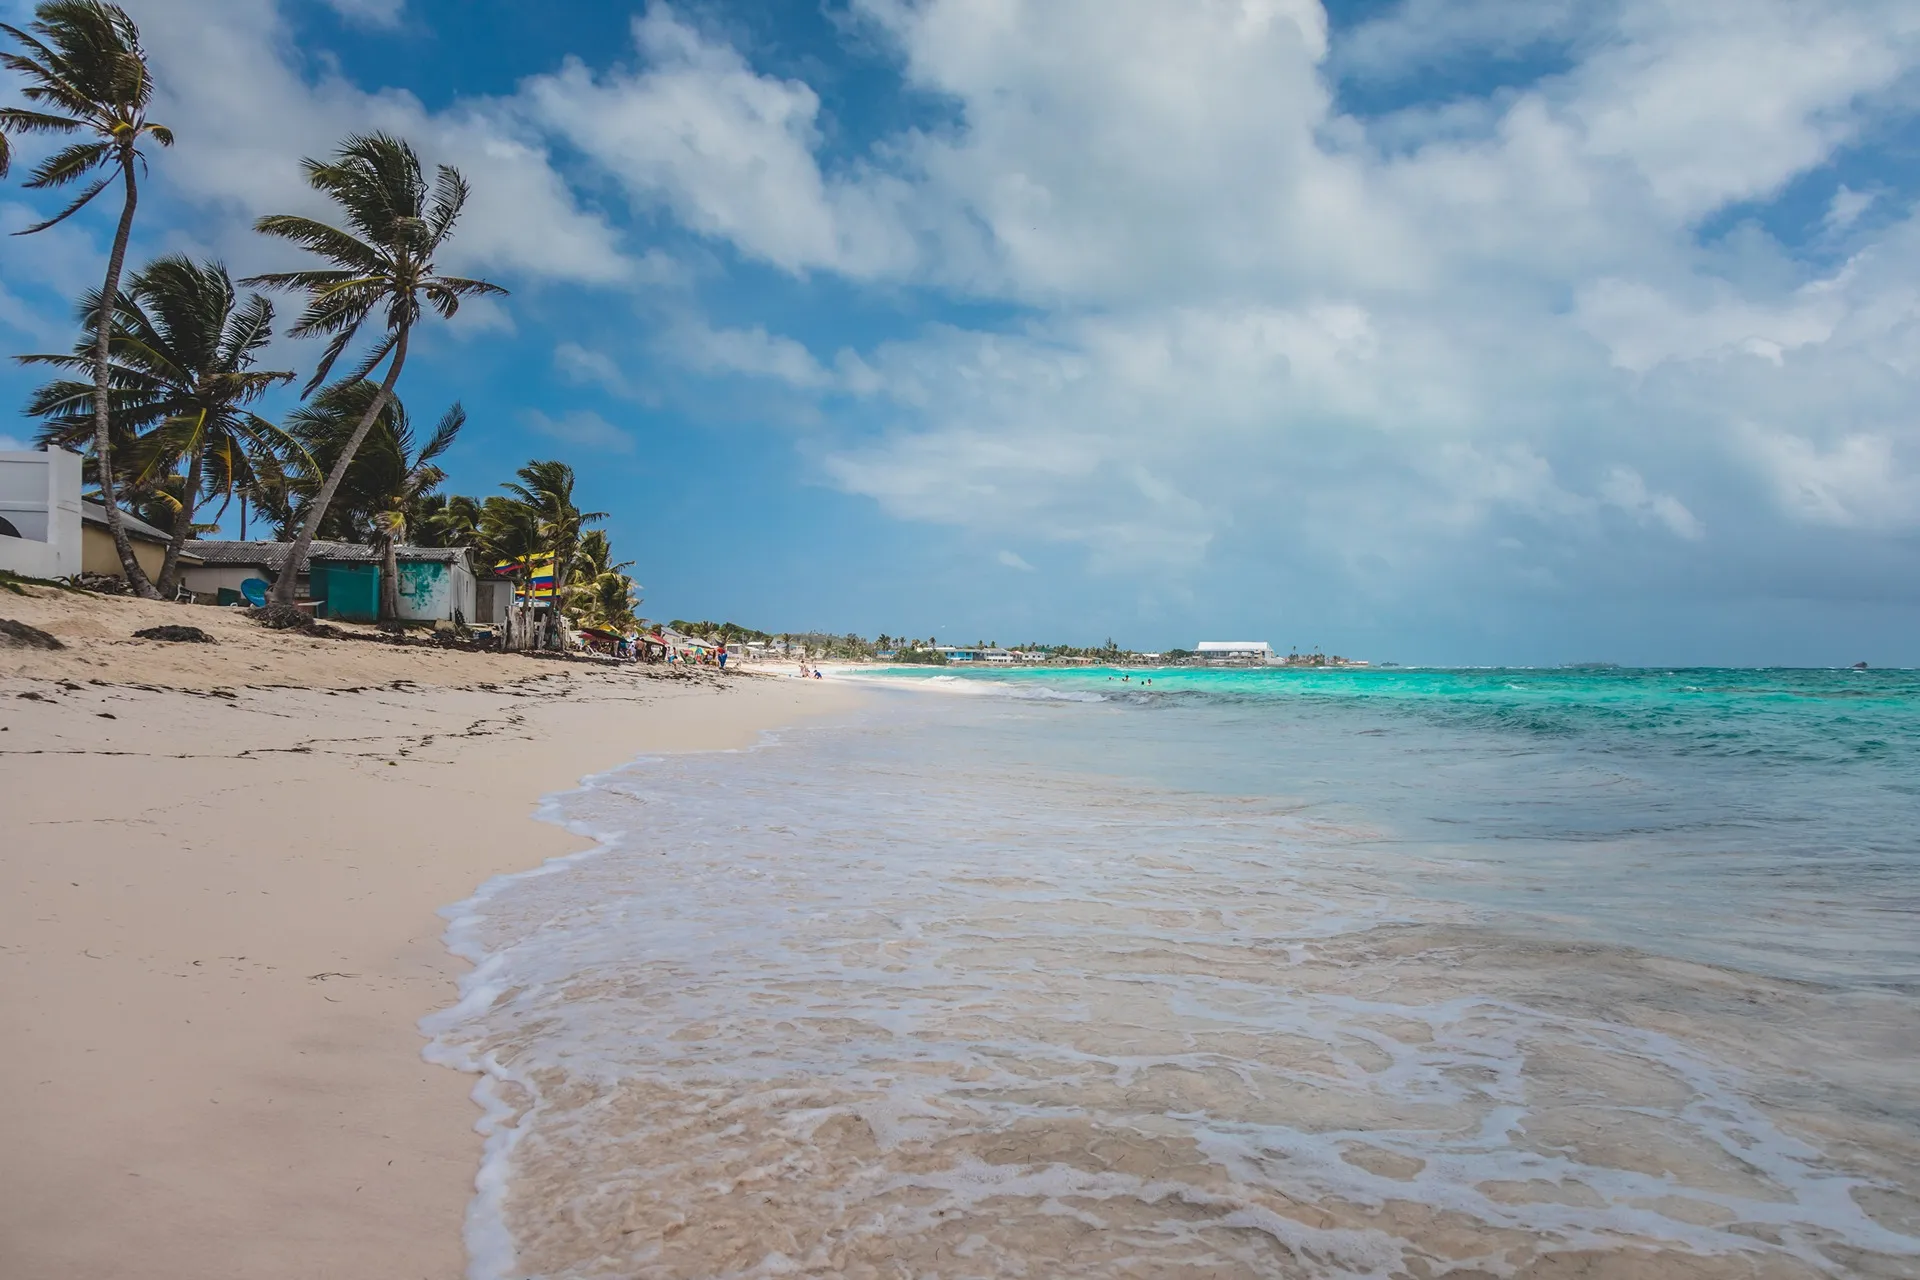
[1235,650]
[40,524]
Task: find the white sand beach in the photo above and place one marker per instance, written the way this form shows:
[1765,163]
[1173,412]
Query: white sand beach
[220,866]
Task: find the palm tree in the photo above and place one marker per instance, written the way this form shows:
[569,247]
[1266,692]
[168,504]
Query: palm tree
[381,494]
[385,261]
[449,520]
[510,533]
[87,73]
[600,592]
[546,489]
[180,376]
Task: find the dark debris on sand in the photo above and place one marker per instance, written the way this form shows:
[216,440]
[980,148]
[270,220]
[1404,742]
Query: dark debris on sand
[18,635]
[184,635]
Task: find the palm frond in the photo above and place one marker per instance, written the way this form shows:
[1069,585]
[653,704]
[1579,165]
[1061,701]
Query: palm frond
[450,192]
[317,237]
[445,432]
[85,198]
[20,120]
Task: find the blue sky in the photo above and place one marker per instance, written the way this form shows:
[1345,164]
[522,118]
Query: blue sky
[1430,330]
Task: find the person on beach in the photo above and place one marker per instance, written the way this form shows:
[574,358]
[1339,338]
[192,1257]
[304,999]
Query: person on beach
[721,654]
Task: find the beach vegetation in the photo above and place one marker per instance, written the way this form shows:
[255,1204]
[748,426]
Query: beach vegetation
[381,263]
[181,377]
[87,79]
[545,489]
[381,497]
[509,534]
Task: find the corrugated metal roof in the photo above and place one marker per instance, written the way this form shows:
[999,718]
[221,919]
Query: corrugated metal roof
[95,513]
[272,555]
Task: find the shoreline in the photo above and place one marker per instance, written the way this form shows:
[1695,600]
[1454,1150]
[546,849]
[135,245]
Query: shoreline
[219,921]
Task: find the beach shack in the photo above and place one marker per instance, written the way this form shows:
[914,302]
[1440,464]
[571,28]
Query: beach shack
[436,584]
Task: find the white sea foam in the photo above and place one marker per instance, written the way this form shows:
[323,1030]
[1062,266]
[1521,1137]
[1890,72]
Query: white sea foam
[977,688]
[865,1004]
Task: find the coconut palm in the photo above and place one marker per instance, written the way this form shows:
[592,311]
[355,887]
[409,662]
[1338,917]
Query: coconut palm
[384,262]
[449,520]
[546,488]
[510,534]
[86,73]
[600,593]
[595,556]
[383,496]
[180,377]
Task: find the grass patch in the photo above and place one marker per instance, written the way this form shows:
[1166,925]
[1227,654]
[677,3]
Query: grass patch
[18,584]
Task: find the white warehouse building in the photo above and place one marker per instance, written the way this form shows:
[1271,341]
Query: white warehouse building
[1237,650]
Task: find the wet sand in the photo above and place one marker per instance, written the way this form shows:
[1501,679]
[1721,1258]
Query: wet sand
[218,928]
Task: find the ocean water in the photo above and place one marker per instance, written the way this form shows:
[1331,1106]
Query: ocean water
[1240,973]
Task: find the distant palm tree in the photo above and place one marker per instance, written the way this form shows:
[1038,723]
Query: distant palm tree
[381,495]
[87,72]
[595,556]
[600,593]
[449,520]
[180,376]
[546,489]
[386,262]
[510,533]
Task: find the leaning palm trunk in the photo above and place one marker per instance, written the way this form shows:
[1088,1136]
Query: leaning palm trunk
[283,587]
[389,578]
[182,529]
[102,437]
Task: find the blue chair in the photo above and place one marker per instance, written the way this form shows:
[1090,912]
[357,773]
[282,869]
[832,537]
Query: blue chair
[255,591]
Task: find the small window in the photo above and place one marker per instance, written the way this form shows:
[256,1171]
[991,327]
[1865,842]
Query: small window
[6,528]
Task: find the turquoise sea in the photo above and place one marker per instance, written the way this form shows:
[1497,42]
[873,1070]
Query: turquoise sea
[1239,972]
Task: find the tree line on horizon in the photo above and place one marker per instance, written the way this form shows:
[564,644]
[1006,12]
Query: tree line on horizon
[158,391]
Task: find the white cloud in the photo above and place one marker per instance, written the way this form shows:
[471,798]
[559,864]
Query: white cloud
[243,130]
[1013,560]
[1846,207]
[582,366]
[753,352]
[729,151]
[1859,481]
[373,13]
[1482,336]
[1624,488]
[1644,326]
[581,427]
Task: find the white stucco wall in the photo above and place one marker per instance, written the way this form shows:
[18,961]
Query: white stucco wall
[40,497]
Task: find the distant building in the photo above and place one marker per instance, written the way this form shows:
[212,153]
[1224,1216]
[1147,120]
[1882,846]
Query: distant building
[1235,650]
[48,531]
[437,584]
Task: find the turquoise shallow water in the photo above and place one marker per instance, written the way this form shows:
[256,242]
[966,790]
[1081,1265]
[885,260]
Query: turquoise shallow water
[1764,818]
[1389,974]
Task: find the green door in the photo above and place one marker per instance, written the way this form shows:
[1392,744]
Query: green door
[352,591]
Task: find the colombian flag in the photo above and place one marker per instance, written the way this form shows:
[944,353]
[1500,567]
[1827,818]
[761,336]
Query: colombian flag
[541,588]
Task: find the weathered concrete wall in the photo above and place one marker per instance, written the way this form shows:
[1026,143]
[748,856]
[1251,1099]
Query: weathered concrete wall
[98,555]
